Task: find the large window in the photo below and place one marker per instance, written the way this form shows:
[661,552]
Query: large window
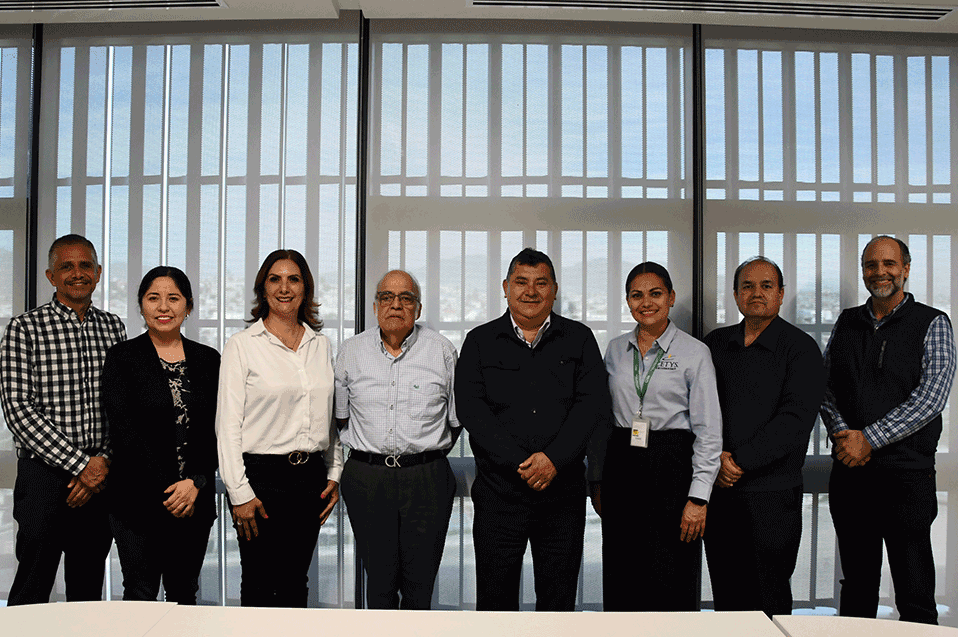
[814,145]
[208,150]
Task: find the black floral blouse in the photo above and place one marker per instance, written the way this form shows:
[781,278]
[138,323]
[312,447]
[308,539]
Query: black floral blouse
[180,389]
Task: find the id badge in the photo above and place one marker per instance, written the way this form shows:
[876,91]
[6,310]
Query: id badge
[640,431]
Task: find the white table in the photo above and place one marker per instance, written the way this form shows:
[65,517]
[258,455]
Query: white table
[816,626]
[207,621]
[83,619]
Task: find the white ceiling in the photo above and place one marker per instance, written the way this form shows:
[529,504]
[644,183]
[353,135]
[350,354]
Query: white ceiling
[464,9]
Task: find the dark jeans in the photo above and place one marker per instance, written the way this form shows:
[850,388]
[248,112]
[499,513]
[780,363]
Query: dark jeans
[501,530]
[47,527]
[399,517]
[645,564]
[872,504]
[275,564]
[161,547]
[751,541]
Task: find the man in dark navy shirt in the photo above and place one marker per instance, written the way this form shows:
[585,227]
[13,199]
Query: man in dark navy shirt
[770,381]
[530,389]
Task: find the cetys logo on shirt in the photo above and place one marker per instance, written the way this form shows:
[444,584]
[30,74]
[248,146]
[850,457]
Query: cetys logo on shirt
[668,363]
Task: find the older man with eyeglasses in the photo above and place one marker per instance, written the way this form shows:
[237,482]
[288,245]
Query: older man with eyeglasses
[394,406]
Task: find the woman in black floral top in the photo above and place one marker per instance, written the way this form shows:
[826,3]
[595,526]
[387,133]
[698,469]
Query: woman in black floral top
[159,392]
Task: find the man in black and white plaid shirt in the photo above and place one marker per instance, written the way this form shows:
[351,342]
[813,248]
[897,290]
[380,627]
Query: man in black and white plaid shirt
[50,362]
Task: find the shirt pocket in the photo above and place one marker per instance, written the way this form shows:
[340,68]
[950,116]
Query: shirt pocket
[426,401]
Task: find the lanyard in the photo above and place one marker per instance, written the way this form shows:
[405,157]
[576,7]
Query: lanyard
[640,390]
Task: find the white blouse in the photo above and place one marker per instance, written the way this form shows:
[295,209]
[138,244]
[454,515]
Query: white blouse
[273,400]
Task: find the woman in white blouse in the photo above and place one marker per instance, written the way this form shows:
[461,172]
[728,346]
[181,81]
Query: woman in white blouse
[279,450]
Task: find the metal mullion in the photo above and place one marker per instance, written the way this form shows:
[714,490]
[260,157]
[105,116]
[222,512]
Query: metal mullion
[254,152]
[613,276]
[929,134]
[900,100]
[555,123]
[614,118]
[813,550]
[585,122]
[789,134]
[221,217]
[731,123]
[953,117]
[404,118]
[284,101]
[165,153]
[464,118]
[135,222]
[81,99]
[760,122]
[673,80]
[494,106]
[846,174]
[585,274]
[643,80]
[817,89]
[524,117]
[107,174]
[873,105]
[194,163]
[313,134]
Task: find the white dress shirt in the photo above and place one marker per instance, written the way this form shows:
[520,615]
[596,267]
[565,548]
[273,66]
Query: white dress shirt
[273,400]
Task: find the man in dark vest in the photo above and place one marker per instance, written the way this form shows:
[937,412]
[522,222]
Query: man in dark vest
[890,365]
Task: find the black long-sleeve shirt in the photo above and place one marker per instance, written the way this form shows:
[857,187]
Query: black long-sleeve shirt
[770,393]
[516,401]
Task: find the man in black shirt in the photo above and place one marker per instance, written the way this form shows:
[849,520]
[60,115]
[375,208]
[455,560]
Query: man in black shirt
[530,389]
[771,382]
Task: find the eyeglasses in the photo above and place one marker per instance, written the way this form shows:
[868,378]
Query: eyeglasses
[407,299]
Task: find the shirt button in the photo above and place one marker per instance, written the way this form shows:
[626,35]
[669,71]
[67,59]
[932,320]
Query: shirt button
[390,408]
[393,383]
[533,411]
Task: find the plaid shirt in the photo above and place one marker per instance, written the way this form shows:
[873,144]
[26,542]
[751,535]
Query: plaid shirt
[50,365]
[925,402]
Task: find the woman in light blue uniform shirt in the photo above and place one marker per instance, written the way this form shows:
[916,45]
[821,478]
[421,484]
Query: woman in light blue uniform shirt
[661,455]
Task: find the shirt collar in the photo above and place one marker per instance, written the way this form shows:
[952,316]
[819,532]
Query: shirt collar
[664,341]
[406,344]
[871,313]
[259,329]
[542,329]
[67,313]
[766,339]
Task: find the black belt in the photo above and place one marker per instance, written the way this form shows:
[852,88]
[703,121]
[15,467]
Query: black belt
[409,460]
[294,457]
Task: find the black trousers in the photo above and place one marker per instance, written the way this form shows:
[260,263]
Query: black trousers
[399,517]
[645,564]
[871,505]
[47,528]
[501,530]
[161,547]
[275,564]
[751,542]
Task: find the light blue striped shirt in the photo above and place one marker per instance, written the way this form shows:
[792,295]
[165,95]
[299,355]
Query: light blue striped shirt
[397,404]
[682,394]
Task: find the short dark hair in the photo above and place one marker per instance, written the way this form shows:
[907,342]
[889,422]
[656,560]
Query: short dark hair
[758,259]
[648,267]
[905,254]
[180,279]
[528,256]
[308,313]
[70,240]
